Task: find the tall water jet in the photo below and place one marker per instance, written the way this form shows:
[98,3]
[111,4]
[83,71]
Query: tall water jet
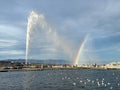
[27,40]
[80,50]
[38,21]
[29,25]
[32,19]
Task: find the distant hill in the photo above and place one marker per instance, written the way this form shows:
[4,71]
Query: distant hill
[50,61]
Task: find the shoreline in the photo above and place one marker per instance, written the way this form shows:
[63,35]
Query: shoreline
[40,69]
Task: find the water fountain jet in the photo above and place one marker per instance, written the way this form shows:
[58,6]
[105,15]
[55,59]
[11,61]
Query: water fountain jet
[39,21]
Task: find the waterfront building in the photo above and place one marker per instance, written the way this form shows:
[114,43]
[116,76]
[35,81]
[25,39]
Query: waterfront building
[113,65]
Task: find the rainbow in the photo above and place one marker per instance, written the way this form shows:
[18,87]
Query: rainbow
[80,50]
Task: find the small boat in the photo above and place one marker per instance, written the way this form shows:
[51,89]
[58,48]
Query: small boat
[3,70]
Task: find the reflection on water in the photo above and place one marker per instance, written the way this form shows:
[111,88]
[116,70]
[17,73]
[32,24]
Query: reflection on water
[83,79]
[27,80]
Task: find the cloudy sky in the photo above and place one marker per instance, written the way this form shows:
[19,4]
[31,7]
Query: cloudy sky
[72,19]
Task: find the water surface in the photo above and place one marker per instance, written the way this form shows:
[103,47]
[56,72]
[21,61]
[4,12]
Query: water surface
[82,79]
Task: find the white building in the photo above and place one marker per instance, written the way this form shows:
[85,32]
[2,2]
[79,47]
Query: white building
[113,65]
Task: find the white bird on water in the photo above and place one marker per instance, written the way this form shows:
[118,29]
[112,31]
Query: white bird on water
[111,87]
[98,83]
[74,84]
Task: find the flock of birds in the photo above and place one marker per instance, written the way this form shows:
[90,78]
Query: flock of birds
[96,82]
[93,83]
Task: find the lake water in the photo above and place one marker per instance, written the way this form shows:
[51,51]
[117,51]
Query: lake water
[82,79]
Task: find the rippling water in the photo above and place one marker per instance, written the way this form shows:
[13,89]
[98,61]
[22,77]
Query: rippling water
[82,79]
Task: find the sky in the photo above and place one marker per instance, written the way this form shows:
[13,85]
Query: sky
[72,19]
